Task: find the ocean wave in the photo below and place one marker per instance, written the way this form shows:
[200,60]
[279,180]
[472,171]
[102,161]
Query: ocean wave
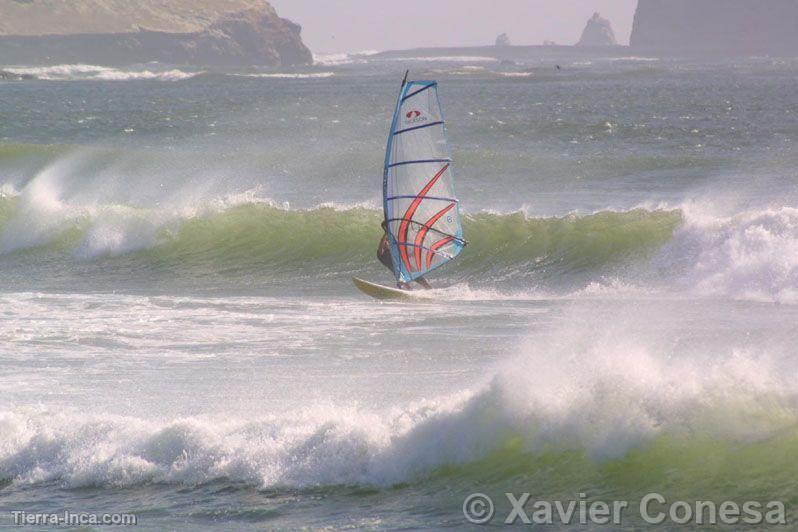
[73,72]
[57,71]
[257,233]
[290,75]
[167,75]
[515,74]
[446,59]
[338,59]
[636,58]
[752,255]
[594,400]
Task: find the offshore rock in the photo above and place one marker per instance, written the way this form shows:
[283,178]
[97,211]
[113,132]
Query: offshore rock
[598,32]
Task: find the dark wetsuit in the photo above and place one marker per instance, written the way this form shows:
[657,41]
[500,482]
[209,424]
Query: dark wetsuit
[384,253]
[384,256]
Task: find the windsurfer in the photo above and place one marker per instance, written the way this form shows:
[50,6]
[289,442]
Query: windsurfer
[384,256]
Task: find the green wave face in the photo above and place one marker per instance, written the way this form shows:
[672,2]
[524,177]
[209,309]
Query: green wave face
[678,467]
[251,239]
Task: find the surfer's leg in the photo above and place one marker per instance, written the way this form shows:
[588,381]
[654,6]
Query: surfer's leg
[423,282]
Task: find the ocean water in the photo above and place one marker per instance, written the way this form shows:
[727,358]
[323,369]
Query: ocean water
[180,337]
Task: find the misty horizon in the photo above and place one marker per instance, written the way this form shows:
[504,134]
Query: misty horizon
[358,25]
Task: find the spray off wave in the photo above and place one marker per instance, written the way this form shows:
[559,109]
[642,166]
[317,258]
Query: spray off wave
[753,255]
[252,234]
[606,400]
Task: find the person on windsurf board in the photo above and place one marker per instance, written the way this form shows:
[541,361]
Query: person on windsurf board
[422,224]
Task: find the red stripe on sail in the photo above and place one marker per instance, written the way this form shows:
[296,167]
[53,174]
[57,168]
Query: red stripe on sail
[422,234]
[411,210]
[435,247]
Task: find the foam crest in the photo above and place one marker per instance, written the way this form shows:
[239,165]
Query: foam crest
[167,75]
[338,59]
[8,190]
[752,255]
[39,212]
[291,75]
[592,387]
[95,72]
[58,71]
[608,392]
[257,229]
[115,230]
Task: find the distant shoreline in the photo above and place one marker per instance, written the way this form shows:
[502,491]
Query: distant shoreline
[502,53]
[517,53]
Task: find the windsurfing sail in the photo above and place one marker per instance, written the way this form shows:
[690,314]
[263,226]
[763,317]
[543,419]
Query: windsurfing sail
[422,213]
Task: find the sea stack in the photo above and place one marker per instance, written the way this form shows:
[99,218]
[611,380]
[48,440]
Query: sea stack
[721,26]
[119,32]
[598,32]
[503,40]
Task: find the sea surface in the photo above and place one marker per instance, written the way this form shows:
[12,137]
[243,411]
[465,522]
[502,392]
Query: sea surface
[180,337]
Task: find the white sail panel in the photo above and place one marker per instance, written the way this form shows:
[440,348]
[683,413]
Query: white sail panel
[421,210]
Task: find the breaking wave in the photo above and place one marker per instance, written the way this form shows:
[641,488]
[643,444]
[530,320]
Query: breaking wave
[76,72]
[598,404]
[752,255]
[290,75]
[338,59]
[257,234]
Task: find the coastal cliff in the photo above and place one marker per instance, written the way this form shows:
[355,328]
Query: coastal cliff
[742,26]
[113,32]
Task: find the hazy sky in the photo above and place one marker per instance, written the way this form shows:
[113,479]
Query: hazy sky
[354,25]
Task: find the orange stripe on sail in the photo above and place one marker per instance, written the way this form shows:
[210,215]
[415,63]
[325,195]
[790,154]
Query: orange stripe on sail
[422,234]
[411,210]
[435,247]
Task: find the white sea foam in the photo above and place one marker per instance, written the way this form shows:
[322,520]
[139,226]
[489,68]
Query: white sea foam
[515,74]
[47,207]
[74,72]
[606,385]
[41,212]
[290,75]
[168,75]
[58,71]
[337,59]
[447,59]
[115,230]
[605,287]
[591,385]
[751,255]
[8,190]
[637,59]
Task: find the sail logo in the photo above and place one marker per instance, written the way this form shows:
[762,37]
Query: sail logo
[415,117]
